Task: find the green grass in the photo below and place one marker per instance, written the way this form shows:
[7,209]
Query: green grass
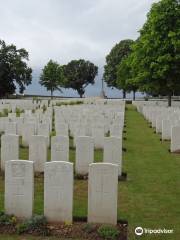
[151,196]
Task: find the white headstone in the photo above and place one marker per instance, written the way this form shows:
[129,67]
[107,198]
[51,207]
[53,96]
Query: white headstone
[102,193]
[60,148]
[62,129]
[19,188]
[11,128]
[9,149]
[58,191]
[116,130]
[113,151]
[28,130]
[98,135]
[38,152]
[159,124]
[79,131]
[84,154]
[175,139]
[43,129]
[166,129]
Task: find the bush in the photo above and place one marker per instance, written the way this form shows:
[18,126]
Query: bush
[7,219]
[36,223]
[108,232]
[18,112]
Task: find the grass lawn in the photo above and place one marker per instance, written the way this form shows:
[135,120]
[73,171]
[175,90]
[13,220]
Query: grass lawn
[153,186]
[149,198]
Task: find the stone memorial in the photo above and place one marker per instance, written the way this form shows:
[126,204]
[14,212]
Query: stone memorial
[102,193]
[9,149]
[113,151]
[175,139]
[19,188]
[84,154]
[58,191]
[60,148]
[38,152]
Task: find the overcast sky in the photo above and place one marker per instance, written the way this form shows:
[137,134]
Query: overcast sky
[63,30]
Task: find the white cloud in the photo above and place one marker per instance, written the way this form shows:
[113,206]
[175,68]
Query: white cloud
[63,30]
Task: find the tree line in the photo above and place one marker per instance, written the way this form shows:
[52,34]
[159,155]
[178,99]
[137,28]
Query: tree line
[14,72]
[150,64]
[77,74]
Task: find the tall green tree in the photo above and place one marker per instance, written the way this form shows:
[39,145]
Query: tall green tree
[13,69]
[125,78]
[157,51]
[113,59]
[52,77]
[79,74]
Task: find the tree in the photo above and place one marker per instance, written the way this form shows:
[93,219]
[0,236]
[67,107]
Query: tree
[157,51]
[13,69]
[79,74]
[113,59]
[125,77]
[52,77]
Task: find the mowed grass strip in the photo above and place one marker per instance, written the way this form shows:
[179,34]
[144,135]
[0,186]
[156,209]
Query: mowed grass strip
[151,196]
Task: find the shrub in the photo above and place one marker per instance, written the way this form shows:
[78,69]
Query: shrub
[7,219]
[22,227]
[108,232]
[36,223]
[18,112]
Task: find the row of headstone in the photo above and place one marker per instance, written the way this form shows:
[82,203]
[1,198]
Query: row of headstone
[60,151]
[58,191]
[87,120]
[26,127]
[87,114]
[165,120]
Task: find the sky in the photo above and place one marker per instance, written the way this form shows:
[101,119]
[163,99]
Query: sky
[63,30]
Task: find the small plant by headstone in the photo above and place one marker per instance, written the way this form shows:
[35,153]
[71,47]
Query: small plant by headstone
[18,112]
[36,223]
[108,232]
[6,219]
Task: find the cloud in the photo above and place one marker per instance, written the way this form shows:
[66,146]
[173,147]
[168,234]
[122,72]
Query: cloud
[64,30]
